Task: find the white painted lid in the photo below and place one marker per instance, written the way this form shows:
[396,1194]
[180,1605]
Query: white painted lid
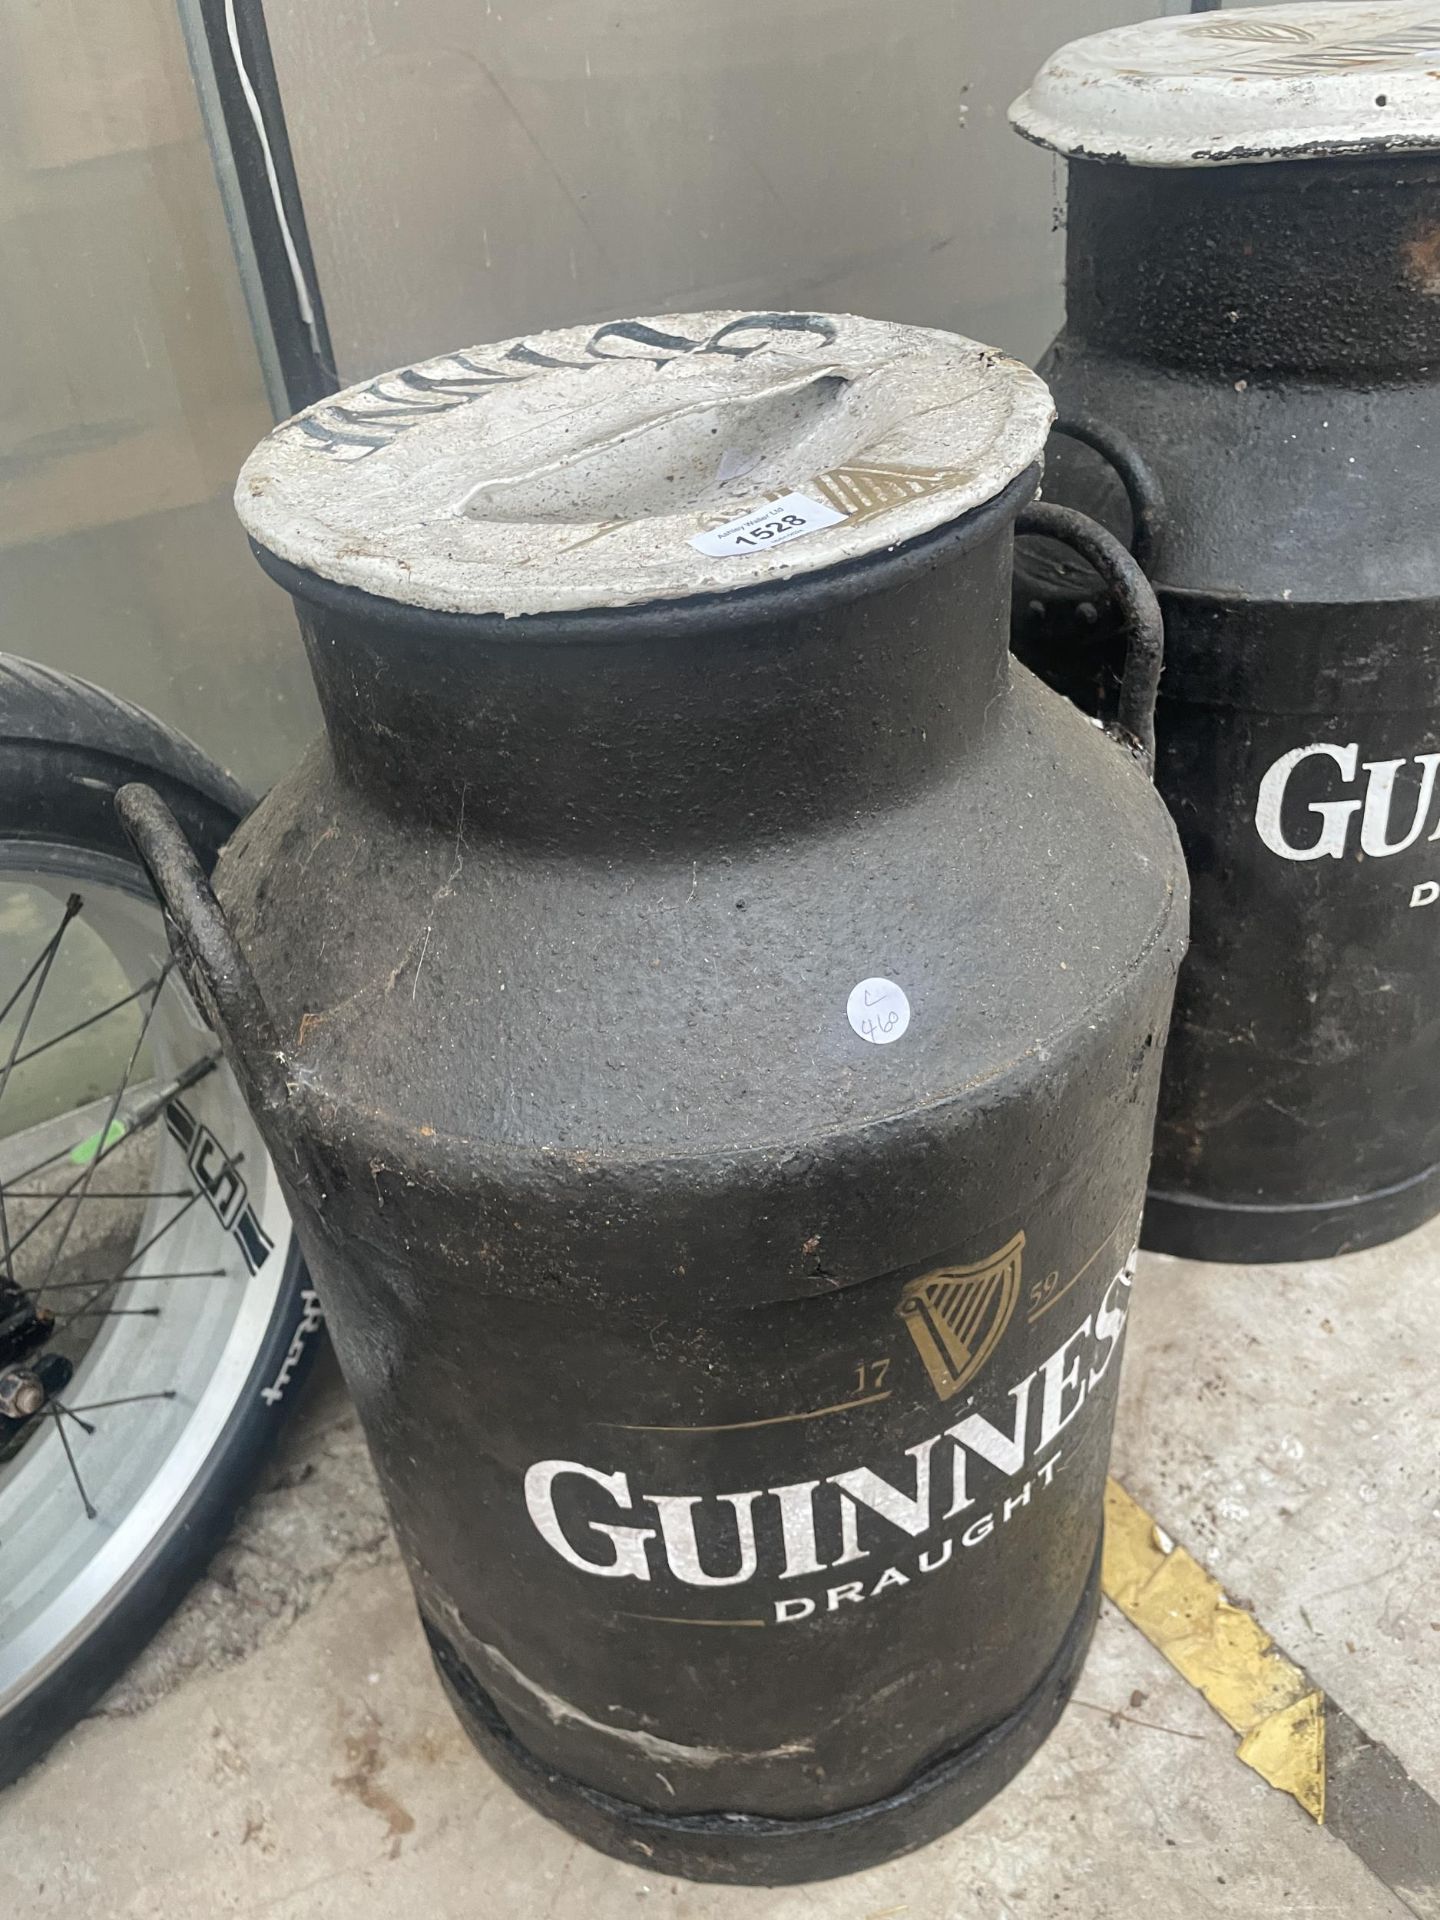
[609,466]
[1256,83]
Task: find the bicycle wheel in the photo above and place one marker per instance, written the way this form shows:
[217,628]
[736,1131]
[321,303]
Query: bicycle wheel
[154,1310]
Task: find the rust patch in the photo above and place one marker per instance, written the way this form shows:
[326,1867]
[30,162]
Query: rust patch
[366,1763]
[1422,259]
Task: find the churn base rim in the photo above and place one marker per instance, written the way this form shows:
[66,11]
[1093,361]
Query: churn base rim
[755,1850]
[1246,1234]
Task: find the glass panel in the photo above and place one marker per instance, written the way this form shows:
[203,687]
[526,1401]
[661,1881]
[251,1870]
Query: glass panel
[132,388]
[475,171]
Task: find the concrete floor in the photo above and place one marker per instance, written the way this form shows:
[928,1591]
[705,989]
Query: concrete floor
[283,1748]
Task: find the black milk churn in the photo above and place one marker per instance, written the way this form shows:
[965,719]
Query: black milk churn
[1251,352]
[707,1005]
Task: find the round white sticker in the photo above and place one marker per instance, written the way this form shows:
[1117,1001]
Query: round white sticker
[879,1011]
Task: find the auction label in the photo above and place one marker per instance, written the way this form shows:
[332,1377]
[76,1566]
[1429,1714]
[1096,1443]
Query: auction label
[772,525]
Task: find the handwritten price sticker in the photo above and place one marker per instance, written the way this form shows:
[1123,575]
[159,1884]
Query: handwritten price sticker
[768,526]
[878,1011]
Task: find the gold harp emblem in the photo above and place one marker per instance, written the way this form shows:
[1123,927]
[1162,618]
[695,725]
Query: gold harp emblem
[956,1315]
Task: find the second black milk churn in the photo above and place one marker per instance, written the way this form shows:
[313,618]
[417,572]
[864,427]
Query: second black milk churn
[706,1003]
[1251,351]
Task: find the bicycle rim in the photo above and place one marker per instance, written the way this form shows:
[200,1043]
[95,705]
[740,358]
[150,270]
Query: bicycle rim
[143,1249]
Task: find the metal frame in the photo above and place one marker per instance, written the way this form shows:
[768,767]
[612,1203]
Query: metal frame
[296,356]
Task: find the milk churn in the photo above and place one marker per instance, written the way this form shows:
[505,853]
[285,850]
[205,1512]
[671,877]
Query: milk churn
[707,1005]
[1251,354]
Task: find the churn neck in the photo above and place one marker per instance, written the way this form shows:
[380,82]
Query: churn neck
[1324,268]
[673,728]
[660,582]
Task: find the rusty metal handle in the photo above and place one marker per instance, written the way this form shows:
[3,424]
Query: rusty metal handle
[1140,618]
[206,951]
[1135,474]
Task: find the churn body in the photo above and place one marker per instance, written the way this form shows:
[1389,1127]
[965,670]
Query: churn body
[1251,351]
[714,1038]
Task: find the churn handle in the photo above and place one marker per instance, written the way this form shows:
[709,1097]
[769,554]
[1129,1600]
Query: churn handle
[1139,616]
[1136,475]
[208,955]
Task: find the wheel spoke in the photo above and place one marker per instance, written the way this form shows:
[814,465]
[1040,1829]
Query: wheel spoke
[73,1413]
[106,1313]
[81,1025]
[159,1234]
[136,1279]
[39,972]
[45,956]
[143,1117]
[89,1174]
[90,1513]
[123,1400]
[113,1193]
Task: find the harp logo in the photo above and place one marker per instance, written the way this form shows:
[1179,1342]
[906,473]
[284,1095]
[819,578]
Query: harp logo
[956,1315]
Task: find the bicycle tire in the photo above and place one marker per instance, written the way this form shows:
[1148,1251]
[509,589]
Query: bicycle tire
[65,747]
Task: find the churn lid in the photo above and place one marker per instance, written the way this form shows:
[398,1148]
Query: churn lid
[1258,83]
[642,460]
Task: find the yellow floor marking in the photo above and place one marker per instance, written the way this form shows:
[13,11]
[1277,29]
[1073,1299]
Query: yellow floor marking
[1288,1750]
[1222,1650]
